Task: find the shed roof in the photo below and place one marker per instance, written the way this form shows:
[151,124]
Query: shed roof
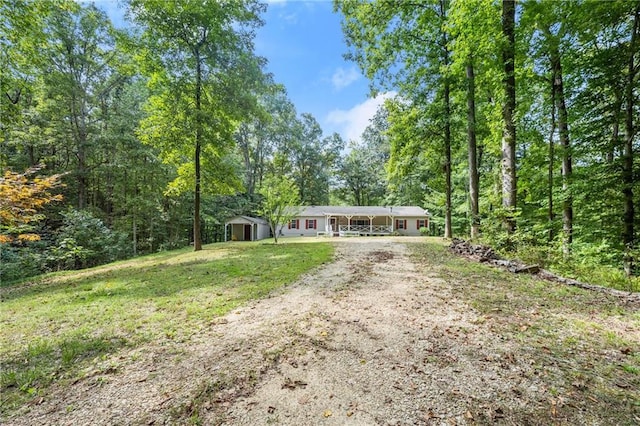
[245,219]
[400,211]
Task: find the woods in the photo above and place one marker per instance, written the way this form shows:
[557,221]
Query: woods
[153,134]
[510,116]
[514,123]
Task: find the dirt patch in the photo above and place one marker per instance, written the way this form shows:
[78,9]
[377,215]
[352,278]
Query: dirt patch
[371,338]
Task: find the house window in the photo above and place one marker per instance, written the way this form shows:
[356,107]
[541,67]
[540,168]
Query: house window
[422,223]
[311,224]
[401,223]
[294,224]
[360,222]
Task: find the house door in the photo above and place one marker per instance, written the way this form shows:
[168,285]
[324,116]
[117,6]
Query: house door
[247,233]
[334,227]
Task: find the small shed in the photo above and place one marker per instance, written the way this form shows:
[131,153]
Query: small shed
[246,228]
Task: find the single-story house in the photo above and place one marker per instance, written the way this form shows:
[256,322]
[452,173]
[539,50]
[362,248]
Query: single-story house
[356,220]
[246,228]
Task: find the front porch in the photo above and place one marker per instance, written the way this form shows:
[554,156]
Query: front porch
[351,225]
[364,230]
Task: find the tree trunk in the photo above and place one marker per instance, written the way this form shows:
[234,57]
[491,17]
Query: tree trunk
[628,233]
[565,143]
[448,233]
[509,185]
[473,161]
[80,124]
[197,239]
[615,128]
[550,214]
[135,233]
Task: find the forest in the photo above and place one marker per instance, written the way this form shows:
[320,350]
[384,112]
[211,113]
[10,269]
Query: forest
[513,123]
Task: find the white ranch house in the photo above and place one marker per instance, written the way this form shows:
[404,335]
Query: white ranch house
[334,221]
[356,220]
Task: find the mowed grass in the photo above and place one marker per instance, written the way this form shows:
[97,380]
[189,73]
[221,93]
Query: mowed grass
[583,347]
[55,325]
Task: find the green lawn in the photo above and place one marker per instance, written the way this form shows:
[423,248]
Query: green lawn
[56,324]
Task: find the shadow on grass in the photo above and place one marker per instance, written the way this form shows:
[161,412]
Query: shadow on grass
[160,276]
[34,369]
[166,297]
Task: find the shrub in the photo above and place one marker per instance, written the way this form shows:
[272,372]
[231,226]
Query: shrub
[19,262]
[84,241]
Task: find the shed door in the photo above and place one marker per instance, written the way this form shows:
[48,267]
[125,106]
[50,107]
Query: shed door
[247,233]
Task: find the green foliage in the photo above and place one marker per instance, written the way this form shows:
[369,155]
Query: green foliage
[84,241]
[361,177]
[279,199]
[422,51]
[20,262]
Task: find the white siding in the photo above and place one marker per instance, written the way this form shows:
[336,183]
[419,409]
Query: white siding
[263,231]
[302,230]
[412,228]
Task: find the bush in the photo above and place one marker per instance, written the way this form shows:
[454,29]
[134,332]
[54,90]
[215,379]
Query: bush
[84,241]
[19,262]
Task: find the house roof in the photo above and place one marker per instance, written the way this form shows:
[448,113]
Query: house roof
[245,219]
[399,211]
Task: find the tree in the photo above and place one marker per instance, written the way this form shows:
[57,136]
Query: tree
[83,57]
[280,196]
[405,46]
[21,200]
[628,234]
[258,137]
[201,64]
[509,185]
[360,176]
[474,27]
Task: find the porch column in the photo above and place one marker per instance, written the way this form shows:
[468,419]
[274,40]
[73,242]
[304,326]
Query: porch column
[349,222]
[371,224]
[225,232]
[391,217]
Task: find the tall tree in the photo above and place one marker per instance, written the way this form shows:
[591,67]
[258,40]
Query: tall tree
[475,29]
[509,185]
[361,179]
[82,58]
[405,46]
[202,63]
[474,184]
[628,235]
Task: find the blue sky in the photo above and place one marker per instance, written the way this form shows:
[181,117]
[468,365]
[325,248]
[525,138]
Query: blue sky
[303,43]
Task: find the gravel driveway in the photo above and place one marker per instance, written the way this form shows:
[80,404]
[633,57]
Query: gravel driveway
[369,339]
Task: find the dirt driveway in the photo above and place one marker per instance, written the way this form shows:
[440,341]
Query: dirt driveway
[369,339]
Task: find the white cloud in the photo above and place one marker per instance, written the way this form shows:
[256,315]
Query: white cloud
[290,18]
[354,121]
[342,78]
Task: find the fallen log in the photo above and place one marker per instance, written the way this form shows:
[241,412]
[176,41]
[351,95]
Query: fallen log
[529,269]
[487,255]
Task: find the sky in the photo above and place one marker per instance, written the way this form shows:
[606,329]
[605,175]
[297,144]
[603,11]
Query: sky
[303,43]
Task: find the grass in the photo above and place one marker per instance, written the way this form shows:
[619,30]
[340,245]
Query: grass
[584,346]
[54,326]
